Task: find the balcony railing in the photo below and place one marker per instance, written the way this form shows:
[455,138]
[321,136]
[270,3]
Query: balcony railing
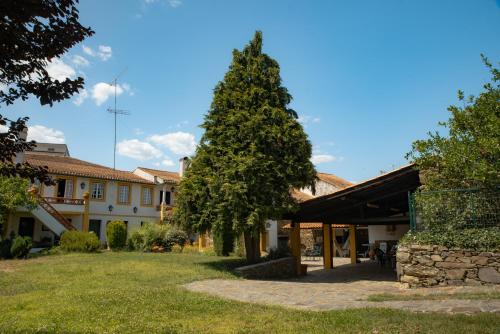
[62,200]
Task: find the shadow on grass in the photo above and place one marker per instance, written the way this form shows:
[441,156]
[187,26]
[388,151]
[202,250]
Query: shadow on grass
[225,265]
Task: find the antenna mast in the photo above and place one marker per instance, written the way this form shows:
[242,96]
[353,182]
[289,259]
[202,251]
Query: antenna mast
[116,112]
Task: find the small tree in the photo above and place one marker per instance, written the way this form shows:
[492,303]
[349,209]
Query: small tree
[13,194]
[116,235]
[470,155]
[253,152]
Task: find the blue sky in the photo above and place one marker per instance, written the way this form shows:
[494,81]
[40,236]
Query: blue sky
[367,77]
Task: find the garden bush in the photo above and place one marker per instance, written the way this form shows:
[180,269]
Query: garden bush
[156,237]
[177,236]
[21,247]
[77,241]
[116,235]
[485,239]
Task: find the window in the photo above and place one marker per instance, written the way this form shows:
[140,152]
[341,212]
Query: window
[64,188]
[123,194]
[167,197]
[147,196]
[95,226]
[97,190]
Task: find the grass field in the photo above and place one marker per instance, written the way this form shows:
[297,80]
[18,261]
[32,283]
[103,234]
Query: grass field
[140,293]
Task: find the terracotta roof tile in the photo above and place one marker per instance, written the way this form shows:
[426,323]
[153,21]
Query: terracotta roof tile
[75,167]
[334,180]
[163,174]
[300,196]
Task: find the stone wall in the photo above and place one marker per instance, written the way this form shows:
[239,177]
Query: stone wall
[280,268]
[422,265]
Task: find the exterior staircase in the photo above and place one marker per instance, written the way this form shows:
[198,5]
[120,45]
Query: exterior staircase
[51,218]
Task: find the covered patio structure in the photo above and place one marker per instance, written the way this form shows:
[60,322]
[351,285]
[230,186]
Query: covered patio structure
[383,200]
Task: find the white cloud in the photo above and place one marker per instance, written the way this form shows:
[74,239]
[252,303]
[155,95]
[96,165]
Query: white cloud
[102,91]
[322,158]
[178,142]
[174,3]
[43,134]
[167,162]
[88,50]
[59,70]
[81,97]
[80,61]
[105,52]
[137,149]
[305,119]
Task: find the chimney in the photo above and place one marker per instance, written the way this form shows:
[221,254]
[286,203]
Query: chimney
[19,158]
[183,162]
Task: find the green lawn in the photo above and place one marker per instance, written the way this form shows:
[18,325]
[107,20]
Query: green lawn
[140,293]
[436,296]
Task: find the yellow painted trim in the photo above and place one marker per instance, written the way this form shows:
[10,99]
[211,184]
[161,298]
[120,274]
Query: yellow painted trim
[327,247]
[352,243]
[152,189]
[94,181]
[263,241]
[118,184]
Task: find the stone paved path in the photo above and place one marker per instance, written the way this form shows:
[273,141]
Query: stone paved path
[345,287]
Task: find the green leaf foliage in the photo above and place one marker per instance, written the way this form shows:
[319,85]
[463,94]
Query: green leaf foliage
[116,234]
[21,247]
[486,239]
[13,194]
[253,151]
[469,156]
[78,241]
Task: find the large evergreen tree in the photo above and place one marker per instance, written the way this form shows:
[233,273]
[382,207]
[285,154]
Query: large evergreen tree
[253,152]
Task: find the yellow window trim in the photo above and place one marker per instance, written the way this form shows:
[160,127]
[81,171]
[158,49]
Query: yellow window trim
[118,193]
[94,181]
[63,177]
[152,196]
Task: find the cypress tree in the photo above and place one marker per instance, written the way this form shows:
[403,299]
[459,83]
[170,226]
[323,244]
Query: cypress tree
[252,153]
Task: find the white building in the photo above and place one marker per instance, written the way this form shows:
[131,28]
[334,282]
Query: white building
[87,196]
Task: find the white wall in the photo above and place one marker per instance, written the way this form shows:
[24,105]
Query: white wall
[322,188]
[379,232]
[272,234]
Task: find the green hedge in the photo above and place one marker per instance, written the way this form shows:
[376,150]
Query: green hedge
[77,241]
[21,247]
[487,239]
[116,235]
[151,235]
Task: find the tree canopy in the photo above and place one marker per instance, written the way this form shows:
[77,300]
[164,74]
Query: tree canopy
[252,153]
[469,157]
[33,33]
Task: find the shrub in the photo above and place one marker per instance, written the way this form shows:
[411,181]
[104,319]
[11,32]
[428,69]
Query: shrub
[147,237]
[5,246]
[21,247]
[78,241]
[487,239]
[177,237]
[116,235]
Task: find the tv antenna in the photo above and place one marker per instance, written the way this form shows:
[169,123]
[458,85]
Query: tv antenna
[116,112]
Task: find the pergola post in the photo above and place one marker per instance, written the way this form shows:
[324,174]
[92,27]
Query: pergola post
[263,241]
[327,246]
[352,243]
[295,244]
[334,247]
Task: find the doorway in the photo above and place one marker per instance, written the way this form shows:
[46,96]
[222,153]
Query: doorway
[95,226]
[26,227]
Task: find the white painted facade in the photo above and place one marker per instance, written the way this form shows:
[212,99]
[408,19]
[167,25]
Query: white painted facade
[386,232]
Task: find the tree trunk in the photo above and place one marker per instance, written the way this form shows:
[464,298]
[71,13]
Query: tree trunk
[252,247]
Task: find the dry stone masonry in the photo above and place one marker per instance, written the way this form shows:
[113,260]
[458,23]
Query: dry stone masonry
[426,265]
